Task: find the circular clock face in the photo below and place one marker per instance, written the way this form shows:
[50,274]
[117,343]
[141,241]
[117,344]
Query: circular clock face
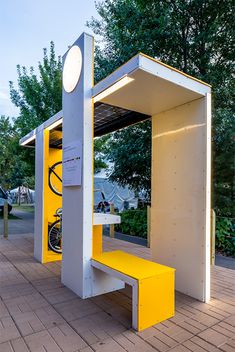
[72,68]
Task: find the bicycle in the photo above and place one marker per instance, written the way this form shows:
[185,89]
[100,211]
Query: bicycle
[55,233]
[55,181]
[103,206]
[55,229]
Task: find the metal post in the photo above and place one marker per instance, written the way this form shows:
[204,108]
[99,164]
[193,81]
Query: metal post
[5,220]
[19,193]
[111,227]
[213,226]
[148,225]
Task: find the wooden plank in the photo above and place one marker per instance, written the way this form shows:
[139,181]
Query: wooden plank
[5,219]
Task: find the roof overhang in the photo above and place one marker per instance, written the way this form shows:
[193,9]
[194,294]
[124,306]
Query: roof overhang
[137,90]
[152,87]
[54,123]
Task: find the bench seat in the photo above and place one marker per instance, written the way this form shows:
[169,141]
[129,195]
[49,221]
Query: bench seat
[152,285]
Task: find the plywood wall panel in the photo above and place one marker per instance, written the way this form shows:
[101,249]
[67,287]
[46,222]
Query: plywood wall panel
[180,233]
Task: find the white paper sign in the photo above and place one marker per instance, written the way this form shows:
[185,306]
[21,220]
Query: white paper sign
[72,164]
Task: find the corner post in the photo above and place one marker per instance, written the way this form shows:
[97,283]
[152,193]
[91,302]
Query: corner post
[78,195]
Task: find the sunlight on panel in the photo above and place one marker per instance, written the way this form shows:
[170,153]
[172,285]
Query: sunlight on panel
[121,83]
[182,129]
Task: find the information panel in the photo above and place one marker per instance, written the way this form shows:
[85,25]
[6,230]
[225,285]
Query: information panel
[72,164]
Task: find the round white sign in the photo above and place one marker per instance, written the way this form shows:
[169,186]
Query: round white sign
[72,68]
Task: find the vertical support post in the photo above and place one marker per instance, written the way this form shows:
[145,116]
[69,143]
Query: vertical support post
[213,226]
[46,200]
[39,196]
[148,225]
[5,221]
[78,198]
[180,195]
[78,129]
[111,227]
[19,194]
[207,174]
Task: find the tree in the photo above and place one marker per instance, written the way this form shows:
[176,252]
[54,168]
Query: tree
[6,133]
[123,155]
[100,150]
[38,98]
[13,167]
[7,147]
[195,36]
[224,165]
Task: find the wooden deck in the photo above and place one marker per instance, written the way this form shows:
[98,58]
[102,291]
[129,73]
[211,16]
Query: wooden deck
[37,313]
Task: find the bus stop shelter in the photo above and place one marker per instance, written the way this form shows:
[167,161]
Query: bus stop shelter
[179,107]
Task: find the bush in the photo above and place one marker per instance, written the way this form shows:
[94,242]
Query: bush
[133,222]
[225,236]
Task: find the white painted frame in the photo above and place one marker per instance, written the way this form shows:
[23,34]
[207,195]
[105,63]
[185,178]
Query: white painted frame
[47,124]
[39,203]
[125,278]
[153,67]
[80,105]
[78,124]
[180,209]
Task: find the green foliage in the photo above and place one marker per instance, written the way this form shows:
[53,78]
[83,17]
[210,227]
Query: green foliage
[8,155]
[133,222]
[195,36]
[225,236]
[224,162]
[130,150]
[100,148]
[29,181]
[38,96]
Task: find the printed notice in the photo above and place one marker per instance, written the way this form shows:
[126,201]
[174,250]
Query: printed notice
[72,164]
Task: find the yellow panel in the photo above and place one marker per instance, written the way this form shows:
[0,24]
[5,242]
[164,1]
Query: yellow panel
[51,201]
[55,201]
[97,240]
[156,301]
[51,256]
[131,265]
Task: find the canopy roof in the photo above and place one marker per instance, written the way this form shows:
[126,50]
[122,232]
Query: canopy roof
[137,90]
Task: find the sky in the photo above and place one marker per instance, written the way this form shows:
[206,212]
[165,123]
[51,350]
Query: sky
[28,26]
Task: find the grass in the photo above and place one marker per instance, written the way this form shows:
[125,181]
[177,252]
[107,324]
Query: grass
[24,207]
[10,217]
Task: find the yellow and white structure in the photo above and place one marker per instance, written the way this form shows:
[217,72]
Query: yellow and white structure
[179,108]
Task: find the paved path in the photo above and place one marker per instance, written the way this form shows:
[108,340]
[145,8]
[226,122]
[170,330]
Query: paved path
[226,262]
[24,224]
[38,313]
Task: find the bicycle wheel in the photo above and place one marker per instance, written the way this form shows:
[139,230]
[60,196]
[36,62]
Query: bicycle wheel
[55,237]
[55,178]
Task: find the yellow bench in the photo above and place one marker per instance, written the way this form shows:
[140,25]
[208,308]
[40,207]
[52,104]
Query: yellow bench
[152,285]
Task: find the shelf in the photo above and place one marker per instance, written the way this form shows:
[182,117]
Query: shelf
[106,219]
